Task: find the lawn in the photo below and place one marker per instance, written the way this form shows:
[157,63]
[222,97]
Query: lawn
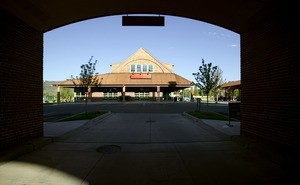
[83,116]
[208,115]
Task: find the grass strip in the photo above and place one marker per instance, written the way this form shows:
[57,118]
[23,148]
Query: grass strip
[208,115]
[84,116]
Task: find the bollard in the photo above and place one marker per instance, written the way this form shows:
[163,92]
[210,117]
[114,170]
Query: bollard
[198,105]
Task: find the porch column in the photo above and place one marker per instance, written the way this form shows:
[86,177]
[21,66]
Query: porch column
[58,94]
[227,95]
[123,92]
[192,93]
[158,93]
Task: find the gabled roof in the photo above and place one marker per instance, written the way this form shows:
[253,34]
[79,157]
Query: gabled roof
[231,84]
[120,79]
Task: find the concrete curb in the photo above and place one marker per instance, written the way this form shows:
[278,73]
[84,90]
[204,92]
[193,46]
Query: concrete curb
[244,142]
[207,127]
[87,125]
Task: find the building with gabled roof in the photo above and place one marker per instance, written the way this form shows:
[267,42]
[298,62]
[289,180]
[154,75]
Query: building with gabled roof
[230,87]
[232,84]
[141,76]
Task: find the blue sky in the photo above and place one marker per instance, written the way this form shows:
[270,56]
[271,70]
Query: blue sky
[182,42]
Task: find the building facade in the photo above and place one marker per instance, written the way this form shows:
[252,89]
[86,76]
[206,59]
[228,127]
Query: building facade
[140,77]
[229,88]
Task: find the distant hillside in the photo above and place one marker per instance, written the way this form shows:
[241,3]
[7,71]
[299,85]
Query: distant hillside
[49,90]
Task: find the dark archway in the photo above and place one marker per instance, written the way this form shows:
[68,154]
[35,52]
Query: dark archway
[269,51]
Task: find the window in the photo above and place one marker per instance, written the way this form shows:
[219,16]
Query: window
[150,68]
[132,68]
[145,68]
[141,68]
[138,68]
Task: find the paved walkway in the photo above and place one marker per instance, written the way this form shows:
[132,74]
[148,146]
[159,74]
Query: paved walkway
[140,149]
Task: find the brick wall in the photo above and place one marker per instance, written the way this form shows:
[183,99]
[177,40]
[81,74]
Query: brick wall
[269,81]
[21,56]
[270,53]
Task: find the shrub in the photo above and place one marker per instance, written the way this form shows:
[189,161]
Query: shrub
[127,98]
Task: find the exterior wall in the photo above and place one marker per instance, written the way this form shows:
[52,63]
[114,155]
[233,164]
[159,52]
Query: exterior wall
[141,57]
[21,110]
[270,81]
[97,94]
[126,68]
[269,75]
[132,94]
[168,66]
[129,94]
[114,67]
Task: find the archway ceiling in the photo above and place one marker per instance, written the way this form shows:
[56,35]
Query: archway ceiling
[45,15]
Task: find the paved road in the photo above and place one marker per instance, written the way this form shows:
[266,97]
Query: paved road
[148,149]
[55,112]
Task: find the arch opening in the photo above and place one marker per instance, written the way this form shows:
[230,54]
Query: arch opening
[266,29]
[181,41]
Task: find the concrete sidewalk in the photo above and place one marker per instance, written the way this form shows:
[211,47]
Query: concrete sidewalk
[55,129]
[138,149]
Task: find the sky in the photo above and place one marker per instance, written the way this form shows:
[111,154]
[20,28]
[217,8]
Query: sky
[183,42]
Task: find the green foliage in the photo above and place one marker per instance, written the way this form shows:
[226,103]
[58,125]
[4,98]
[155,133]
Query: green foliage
[87,78]
[84,116]
[215,91]
[236,93]
[207,78]
[49,91]
[196,92]
[67,94]
[208,115]
[186,92]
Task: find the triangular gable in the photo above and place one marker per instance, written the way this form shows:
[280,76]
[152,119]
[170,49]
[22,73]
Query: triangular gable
[141,56]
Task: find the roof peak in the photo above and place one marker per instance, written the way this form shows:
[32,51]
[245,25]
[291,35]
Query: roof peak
[142,49]
[142,56]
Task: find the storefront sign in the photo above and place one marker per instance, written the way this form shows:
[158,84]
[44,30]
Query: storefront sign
[140,76]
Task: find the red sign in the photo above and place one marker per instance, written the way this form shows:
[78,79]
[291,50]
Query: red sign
[140,76]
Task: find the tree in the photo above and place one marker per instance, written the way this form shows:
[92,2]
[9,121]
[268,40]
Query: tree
[186,92]
[49,91]
[196,91]
[206,78]
[67,94]
[87,78]
[216,90]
